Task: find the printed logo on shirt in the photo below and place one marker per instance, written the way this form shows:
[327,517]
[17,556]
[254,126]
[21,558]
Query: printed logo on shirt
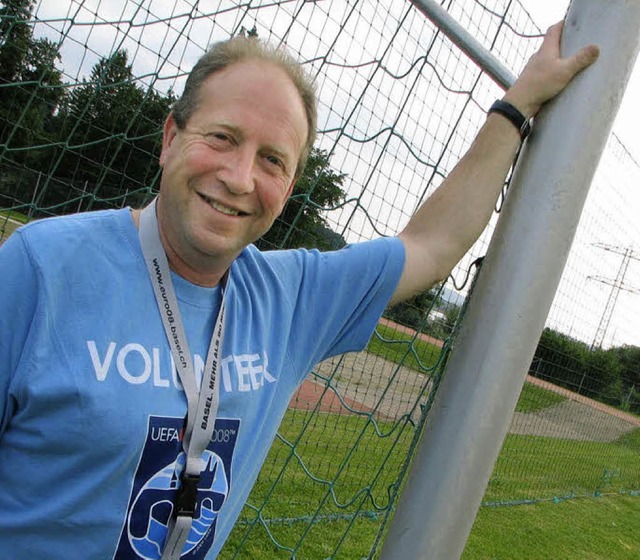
[155,486]
[138,365]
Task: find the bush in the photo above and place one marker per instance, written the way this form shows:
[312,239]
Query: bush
[610,376]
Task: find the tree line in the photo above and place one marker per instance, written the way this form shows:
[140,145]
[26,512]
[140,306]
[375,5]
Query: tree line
[611,376]
[95,144]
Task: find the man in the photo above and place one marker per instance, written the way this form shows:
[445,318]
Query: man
[152,354]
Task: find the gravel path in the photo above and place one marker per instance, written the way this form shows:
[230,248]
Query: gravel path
[389,389]
[392,391]
[571,420]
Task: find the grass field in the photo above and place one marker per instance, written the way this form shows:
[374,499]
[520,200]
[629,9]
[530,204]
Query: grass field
[605,528]
[533,398]
[13,215]
[533,468]
[10,220]
[344,458]
[348,461]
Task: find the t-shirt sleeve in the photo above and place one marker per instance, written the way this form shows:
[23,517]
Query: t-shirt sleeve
[342,296]
[18,302]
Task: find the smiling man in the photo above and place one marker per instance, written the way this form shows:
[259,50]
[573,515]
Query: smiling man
[152,353]
[229,166]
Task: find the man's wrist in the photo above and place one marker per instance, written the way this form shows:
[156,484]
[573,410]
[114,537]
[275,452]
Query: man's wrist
[521,100]
[509,111]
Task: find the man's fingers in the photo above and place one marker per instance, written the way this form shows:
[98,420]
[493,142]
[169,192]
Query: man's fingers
[584,57]
[573,64]
[553,33]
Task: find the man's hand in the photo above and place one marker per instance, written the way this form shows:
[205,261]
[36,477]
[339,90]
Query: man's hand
[547,73]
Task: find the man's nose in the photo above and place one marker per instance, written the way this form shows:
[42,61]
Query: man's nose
[238,173]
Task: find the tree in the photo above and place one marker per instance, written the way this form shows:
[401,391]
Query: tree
[30,92]
[301,223]
[629,357]
[113,128]
[15,38]
[596,373]
[601,376]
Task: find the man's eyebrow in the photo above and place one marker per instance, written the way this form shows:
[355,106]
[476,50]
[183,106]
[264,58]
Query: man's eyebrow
[273,150]
[209,128]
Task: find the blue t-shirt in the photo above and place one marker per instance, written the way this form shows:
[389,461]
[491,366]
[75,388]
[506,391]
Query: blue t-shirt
[91,408]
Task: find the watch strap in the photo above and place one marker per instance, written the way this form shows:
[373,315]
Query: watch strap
[506,109]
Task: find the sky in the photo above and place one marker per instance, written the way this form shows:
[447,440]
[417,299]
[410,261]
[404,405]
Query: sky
[546,13]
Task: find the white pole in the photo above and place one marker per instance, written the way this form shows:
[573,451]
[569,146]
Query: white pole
[515,288]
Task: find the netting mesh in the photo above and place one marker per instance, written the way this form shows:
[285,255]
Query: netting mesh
[84,89]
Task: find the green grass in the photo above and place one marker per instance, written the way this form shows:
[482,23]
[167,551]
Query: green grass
[587,529]
[631,440]
[402,348]
[349,462]
[10,220]
[534,398]
[343,457]
[534,468]
[13,215]
[349,459]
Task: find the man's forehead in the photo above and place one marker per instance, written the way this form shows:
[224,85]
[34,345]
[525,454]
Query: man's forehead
[257,83]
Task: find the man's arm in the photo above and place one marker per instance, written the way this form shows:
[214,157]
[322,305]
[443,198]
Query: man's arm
[450,221]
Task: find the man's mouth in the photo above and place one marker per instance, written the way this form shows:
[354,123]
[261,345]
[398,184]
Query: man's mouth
[221,207]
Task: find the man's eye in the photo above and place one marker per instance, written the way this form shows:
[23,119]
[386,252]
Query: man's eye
[219,137]
[274,160]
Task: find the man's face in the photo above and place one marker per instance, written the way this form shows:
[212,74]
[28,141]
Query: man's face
[228,173]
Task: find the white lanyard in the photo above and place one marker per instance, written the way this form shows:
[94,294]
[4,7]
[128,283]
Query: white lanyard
[202,410]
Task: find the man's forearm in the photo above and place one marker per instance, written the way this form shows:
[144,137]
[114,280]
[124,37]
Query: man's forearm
[455,215]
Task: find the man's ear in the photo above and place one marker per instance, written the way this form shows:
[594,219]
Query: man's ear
[169,132]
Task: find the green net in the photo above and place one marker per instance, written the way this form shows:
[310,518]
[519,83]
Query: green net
[84,89]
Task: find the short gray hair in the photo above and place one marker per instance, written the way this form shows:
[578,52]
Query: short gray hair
[239,49]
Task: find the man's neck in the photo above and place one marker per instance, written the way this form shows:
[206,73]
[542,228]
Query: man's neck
[199,276]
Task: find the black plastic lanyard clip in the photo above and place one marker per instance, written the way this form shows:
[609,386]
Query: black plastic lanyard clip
[187,496]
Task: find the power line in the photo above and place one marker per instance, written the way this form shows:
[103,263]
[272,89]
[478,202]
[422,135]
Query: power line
[617,285]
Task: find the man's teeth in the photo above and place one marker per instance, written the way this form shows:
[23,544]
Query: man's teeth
[220,207]
[224,209]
